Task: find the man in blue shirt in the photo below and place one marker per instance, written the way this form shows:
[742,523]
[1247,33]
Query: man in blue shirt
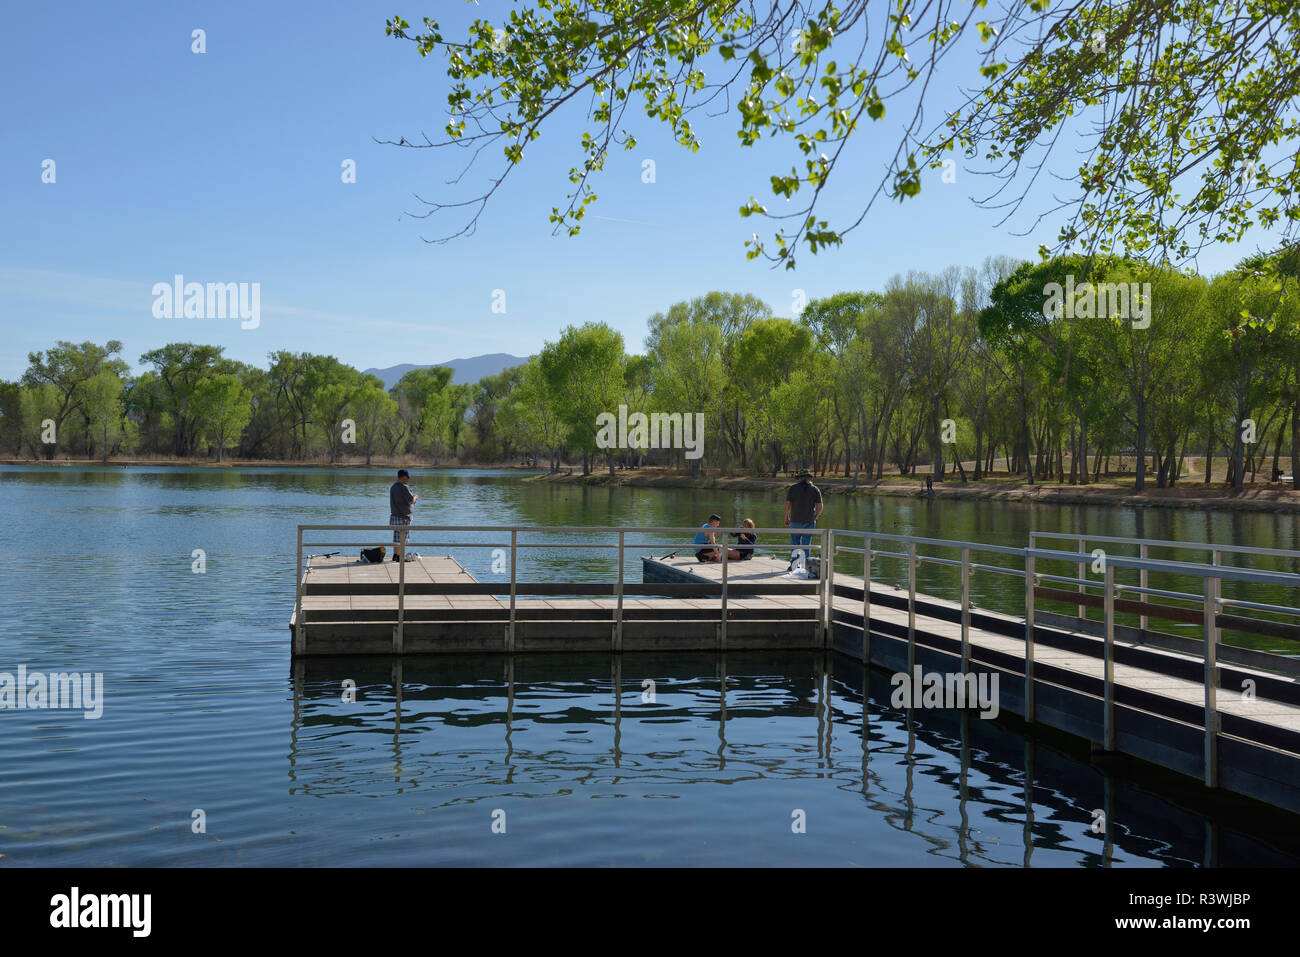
[400,500]
[803,506]
[703,537]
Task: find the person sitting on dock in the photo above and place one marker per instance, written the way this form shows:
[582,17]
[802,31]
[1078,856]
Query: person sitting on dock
[745,542]
[803,506]
[709,537]
[400,500]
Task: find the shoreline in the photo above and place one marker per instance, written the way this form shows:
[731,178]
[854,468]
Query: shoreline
[1251,499]
[259,464]
[1257,498]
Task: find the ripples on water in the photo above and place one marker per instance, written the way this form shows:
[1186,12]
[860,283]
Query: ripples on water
[204,710]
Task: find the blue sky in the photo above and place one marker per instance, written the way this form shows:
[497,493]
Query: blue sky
[226,167]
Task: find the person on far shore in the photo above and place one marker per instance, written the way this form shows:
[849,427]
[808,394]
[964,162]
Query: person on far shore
[706,538]
[745,542]
[400,500]
[803,506]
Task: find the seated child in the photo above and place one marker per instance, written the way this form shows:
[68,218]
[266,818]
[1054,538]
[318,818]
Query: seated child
[745,542]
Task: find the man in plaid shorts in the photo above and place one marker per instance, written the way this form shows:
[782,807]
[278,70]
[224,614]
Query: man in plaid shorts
[400,500]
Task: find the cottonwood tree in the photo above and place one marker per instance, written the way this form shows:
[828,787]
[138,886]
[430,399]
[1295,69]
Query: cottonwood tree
[1282,309]
[769,352]
[888,331]
[180,367]
[730,314]
[420,400]
[638,393]
[11,416]
[102,402]
[838,324]
[689,375]
[1175,116]
[223,408]
[66,368]
[486,396]
[1243,346]
[38,403]
[584,374]
[938,347]
[1064,370]
[375,410]
[530,415]
[1155,364]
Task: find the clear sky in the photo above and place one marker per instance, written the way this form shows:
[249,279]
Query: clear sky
[226,167]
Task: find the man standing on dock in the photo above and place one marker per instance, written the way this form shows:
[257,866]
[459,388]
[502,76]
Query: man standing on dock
[400,500]
[803,506]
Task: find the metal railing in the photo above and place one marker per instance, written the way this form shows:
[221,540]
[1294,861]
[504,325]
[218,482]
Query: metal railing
[1215,551]
[1209,596]
[514,545]
[912,557]
[1212,577]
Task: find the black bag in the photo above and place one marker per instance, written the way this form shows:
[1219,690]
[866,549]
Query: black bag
[372,555]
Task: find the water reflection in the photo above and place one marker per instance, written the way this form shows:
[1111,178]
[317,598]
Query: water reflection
[948,785]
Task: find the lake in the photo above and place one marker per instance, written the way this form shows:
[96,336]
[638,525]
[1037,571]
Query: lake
[742,759]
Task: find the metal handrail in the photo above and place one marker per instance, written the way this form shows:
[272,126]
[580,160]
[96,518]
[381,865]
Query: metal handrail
[939,542]
[1194,569]
[546,529]
[821,539]
[1167,543]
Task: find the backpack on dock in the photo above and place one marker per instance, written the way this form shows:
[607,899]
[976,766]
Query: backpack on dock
[372,555]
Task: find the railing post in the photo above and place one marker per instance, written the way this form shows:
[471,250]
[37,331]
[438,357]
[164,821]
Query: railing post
[1216,560]
[965,609]
[1211,682]
[1108,653]
[1030,580]
[514,551]
[1083,573]
[828,560]
[1142,581]
[618,608]
[722,627]
[299,626]
[399,633]
[866,599]
[911,607]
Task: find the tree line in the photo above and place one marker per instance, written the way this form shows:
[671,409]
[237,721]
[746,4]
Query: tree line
[1053,367]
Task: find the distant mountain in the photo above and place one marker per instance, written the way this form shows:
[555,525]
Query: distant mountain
[462,370]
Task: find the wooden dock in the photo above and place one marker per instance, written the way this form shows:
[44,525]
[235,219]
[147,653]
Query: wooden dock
[350,608]
[1129,691]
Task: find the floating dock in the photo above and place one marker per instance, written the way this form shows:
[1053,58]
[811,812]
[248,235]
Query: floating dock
[351,608]
[1133,691]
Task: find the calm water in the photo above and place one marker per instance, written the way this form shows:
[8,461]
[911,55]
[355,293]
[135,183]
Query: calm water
[204,710]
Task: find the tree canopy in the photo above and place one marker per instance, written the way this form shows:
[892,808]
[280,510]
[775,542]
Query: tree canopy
[1177,117]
